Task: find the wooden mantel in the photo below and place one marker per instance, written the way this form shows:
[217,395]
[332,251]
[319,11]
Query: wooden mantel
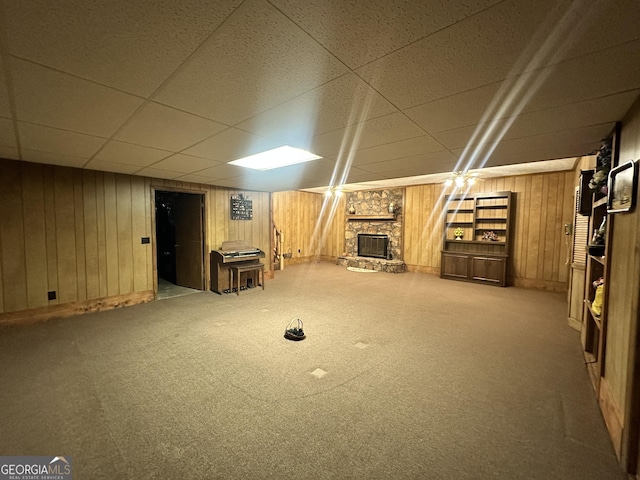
[389,217]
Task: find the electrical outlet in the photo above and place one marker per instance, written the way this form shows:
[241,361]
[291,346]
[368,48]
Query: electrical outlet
[51,295]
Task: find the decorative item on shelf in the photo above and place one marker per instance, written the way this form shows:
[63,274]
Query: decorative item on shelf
[623,184]
[596,305]
[490,236]
[459,233]
[352,210]
[596,247]
[391,207]
[598,182]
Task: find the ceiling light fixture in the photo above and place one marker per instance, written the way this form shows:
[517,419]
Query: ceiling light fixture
[331,191]
[275,158]
[460,179]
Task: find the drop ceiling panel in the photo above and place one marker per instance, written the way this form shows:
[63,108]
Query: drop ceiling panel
[57,100]
[422,164]
[567,117]
[7,133]
[9,152]
[183,163]
[230,144]
[390,128]
[166,128]
[455,111]
[53,140]
[401,149]
[569,143]
[381,26]
[157,173]
[130,45]
[480,50]
[53,158]
[249,64]
[223,170]
[341,102]
[127,153]
[113,167]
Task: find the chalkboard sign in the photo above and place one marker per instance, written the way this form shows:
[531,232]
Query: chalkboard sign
[241,208]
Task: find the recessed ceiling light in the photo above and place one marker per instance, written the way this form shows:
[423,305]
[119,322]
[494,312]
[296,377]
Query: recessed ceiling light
[276,158]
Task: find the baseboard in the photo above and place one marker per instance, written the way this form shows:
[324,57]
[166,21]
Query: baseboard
[574,323]
[423,269]
[43,314]
[559,287]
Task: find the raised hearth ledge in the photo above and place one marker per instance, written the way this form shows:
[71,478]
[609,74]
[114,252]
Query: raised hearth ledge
[378,264]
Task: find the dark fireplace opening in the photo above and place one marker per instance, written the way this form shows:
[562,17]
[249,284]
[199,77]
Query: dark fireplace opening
[373,245]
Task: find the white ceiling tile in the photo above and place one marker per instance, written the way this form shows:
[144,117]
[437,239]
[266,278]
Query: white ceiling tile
[257,59]
[157,173]
[53,158]
[166,128]
[193,178]
[120,152]
[114,167]
[51,98]
[417,164]
[341,102]
[46,139]
[184,163]
[230,144]
[223,170]
[390,128]
[379,27]
[499,42]
[7,133]
[130,45]
[566,117]
[460,110]
[568,143]
[9,152]
[403,148]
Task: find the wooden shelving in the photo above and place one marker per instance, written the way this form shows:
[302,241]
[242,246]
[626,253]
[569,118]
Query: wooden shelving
[471,256]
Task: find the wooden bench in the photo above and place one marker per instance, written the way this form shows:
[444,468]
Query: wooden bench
[235,271]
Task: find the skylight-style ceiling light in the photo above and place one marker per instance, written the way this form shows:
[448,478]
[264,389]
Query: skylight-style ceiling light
[460,179]
[275,158]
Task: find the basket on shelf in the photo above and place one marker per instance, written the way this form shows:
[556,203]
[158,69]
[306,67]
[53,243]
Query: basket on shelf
[294,330]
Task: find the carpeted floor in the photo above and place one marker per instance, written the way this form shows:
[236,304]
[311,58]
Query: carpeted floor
[401,376]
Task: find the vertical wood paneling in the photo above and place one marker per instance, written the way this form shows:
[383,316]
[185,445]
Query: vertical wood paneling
[65,235]
[92,264]
[78,209]
[111,234]
[12,239]
[50,229]
[139,229]
[124,234]
[101,217]
[35,235]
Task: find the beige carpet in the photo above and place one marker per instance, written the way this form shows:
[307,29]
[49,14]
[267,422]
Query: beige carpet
[401,376]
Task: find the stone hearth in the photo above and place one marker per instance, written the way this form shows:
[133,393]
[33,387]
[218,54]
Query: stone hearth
[377,264]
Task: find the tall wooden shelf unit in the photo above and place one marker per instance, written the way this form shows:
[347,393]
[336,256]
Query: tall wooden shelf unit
[594,329]
[471,258]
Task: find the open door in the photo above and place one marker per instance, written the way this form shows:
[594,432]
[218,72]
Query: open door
[189,240]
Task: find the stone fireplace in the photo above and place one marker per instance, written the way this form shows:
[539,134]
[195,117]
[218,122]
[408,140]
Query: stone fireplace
[370,224]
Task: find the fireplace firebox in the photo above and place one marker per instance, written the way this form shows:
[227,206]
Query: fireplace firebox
[373,245]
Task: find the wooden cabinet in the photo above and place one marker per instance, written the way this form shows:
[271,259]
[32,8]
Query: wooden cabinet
[476,237]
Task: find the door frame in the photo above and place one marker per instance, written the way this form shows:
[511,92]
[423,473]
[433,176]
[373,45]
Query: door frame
[154,240]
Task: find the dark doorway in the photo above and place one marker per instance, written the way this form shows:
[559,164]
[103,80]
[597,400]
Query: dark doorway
[180,238]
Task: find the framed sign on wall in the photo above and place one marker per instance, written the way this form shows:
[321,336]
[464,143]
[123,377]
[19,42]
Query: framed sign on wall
[241,207]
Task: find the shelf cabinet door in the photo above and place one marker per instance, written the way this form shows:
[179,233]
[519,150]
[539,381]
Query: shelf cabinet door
[489,269]
[455,266]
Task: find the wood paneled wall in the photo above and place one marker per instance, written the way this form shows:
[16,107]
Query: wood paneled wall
[78,233]
[543,203]
[309,223]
